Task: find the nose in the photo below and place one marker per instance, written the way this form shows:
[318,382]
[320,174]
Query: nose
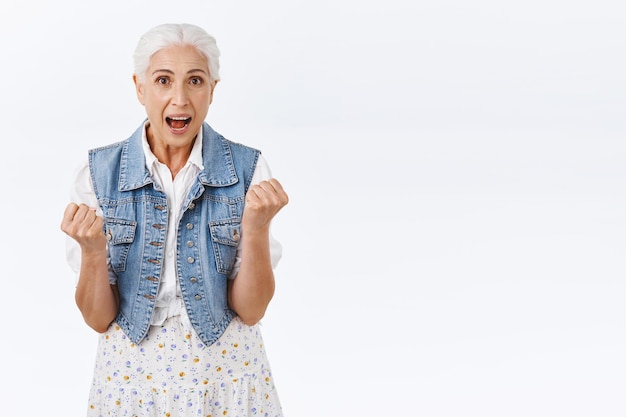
[180,96]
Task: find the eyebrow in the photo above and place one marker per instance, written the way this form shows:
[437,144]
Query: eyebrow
[188,72]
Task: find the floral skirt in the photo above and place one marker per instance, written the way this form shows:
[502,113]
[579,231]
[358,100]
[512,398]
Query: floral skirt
[171,373]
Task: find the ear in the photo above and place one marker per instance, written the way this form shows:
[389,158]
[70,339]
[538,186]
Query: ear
[212,90]
[138,89]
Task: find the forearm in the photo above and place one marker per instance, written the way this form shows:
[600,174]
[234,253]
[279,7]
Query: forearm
[253,288]
[95,297]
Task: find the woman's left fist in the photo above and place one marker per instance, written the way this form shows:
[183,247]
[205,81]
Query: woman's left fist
[263,201]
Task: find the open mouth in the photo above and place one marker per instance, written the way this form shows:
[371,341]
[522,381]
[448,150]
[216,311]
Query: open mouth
[178,123]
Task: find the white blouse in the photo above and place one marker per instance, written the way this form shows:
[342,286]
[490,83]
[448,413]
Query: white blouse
[169,302]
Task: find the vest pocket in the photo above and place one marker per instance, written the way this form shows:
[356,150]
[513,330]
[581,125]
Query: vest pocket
[120,234]
[225,235]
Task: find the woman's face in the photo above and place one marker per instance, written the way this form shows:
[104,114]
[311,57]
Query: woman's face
[176,93]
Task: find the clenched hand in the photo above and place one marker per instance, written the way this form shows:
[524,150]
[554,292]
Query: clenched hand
[81,223]
[263,202]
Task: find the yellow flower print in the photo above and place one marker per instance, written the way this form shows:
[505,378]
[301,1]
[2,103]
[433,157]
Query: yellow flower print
[205,382]
[219,369]
[118,402]
[246,363]
[148,377]
[126,377]
[224,352]
[196,360]
[182,374]
[117,328]
[236,345]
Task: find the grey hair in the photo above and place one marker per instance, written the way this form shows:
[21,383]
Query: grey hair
[169,34]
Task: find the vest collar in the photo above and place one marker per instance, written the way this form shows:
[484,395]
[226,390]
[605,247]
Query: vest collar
[217,158]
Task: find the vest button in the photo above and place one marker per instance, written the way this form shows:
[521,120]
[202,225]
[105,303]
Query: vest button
[197,297]
[192,206]
[190,244]
[189,226]
[193,280]
[190,260]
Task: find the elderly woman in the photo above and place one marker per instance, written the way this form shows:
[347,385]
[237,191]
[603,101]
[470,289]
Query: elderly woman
[170,238]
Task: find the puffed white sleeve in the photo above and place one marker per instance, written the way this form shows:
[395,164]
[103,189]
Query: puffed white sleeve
[262,172]
[81,192]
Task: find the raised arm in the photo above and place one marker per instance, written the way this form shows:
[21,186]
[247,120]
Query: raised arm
[251,291]
[97,300]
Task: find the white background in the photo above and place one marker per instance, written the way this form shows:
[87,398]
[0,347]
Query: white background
[455,241]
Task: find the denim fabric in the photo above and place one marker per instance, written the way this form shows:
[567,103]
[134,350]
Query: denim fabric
[135,222]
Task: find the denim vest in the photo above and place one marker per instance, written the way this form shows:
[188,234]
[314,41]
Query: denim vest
[135,215]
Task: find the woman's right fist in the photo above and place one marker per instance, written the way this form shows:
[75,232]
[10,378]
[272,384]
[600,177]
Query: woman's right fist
[81,223]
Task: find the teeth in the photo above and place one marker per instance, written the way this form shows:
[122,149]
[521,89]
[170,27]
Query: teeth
[179,118]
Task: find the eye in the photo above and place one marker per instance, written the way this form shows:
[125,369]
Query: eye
[162,80]
[196,81]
